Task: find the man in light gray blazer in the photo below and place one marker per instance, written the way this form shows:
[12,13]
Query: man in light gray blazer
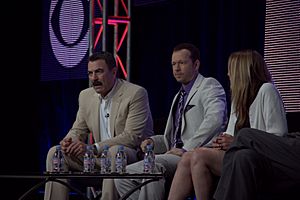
[115,111]
[204,116]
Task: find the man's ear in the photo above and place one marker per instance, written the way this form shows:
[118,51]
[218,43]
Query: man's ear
[114,71]
[197,64]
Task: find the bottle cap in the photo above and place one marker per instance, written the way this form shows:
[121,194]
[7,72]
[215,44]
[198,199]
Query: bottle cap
[89,147]
[149,146]
[121,147]
[106,147]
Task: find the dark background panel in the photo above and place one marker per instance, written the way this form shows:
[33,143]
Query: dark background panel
[216,27]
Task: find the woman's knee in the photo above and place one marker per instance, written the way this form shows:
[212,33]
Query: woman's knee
[200,155]
[185,160]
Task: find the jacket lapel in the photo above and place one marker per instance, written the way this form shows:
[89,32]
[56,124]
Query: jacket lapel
[193,91]
[96,115]
[115,103]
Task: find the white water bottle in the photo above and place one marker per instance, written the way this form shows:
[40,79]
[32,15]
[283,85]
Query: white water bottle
[89,159]
[121,160]
[149,159]
[58,160]
[105,161]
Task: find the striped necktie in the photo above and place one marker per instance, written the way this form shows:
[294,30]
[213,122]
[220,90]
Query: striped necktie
[177,134]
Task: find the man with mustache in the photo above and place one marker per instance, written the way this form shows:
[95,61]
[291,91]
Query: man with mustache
[115,111]
[198,113]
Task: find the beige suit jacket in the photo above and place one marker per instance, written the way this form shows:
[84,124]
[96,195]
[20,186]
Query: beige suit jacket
[130,117]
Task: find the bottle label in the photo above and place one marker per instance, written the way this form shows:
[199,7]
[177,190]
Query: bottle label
[56,164]
[87,165]
[105,165]
[119,165]
[149,162]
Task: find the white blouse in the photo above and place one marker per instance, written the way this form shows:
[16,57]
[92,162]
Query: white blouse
[266,112]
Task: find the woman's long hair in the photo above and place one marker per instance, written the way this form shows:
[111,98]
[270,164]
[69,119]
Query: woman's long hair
[247,71]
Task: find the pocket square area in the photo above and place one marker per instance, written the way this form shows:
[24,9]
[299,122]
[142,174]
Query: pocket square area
[188,107]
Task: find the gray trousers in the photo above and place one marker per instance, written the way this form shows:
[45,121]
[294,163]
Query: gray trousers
[57,191]
[259,165]
[156,190]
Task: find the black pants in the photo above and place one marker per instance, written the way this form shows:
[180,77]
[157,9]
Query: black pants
[259,165]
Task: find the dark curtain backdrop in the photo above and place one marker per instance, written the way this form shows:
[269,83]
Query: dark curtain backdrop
[216,27]
[36,115]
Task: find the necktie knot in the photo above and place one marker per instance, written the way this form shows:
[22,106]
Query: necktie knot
[182,93]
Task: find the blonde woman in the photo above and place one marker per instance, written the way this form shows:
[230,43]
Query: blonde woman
[255,103]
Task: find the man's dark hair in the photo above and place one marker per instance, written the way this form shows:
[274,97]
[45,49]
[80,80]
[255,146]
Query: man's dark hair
[108,57]
[195,53]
